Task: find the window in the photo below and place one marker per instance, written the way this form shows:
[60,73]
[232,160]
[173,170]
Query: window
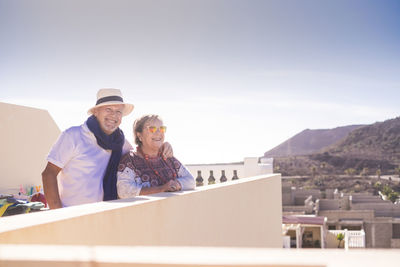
[352,227]
[331,227]
[307,239]
[396,230]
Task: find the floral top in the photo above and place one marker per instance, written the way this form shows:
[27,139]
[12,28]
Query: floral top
[135,172]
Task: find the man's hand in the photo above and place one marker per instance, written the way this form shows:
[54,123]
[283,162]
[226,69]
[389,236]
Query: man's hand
[166,150]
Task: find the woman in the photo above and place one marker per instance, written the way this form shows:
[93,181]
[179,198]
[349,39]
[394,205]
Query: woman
[145,172]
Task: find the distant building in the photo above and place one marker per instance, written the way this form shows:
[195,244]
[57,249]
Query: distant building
[304,231]
[360,214]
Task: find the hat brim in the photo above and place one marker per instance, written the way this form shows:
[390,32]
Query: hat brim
[127,109]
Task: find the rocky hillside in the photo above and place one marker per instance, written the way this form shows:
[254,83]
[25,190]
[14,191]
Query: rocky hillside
[368,149]
[380,140]
[310,141]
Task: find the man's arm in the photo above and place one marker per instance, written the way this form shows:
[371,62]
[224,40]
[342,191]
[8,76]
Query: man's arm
[50,186]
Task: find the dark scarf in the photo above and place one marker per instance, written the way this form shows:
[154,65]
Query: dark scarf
[115,141]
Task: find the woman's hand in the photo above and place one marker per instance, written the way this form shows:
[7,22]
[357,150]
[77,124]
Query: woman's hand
[166,150]
[172,186]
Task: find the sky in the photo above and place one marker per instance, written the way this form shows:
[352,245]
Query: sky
[231,79]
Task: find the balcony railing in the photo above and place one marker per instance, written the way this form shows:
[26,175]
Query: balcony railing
[352,239]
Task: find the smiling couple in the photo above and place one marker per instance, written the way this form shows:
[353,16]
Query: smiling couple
[94,162]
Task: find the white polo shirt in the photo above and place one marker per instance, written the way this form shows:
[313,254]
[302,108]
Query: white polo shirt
[83,163]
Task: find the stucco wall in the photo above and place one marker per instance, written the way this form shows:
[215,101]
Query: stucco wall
[387,209]
[381,234]
[244,213]
[395,243]
[301,194]
[336,215]
[27,135]
[287,196]
[362,198]
[329,204]
[332,242]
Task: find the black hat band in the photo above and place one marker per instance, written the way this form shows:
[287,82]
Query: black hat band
[109,98]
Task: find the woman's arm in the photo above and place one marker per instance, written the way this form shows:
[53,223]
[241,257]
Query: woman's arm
[128,187]
[186,180]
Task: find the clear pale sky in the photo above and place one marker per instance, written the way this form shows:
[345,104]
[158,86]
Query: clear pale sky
[231,78]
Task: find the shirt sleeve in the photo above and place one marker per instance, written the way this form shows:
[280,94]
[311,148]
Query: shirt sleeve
[185,178]
[63,150]
[126,147]
[128,183]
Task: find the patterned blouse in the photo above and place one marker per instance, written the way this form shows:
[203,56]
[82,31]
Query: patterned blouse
[135,172]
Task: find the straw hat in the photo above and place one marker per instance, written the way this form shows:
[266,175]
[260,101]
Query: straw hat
[111,96]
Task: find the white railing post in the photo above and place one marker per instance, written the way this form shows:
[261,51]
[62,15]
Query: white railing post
[346,240]
[363,238]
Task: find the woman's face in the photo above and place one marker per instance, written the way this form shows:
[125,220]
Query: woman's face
[151,139]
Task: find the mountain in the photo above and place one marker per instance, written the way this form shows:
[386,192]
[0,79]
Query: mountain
[380,140]
[367,148]
[310,141]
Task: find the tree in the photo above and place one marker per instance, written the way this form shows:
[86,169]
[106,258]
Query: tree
[390,193]
[277,169]
[397,170]
[350,172]
[378,186]
[378,173]
[393,196]
[387,190]
[323,165]
[364,172]
[340,237]
[313,171]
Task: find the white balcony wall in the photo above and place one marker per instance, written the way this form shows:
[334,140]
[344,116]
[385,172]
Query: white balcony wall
[108,256]
[27,135]
[242,213]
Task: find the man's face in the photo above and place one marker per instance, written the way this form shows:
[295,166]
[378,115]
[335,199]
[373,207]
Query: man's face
[109,117]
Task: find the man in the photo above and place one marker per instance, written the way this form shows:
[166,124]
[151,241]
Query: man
[82,164]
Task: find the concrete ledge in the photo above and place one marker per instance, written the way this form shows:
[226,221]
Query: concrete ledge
[54,256]
[243,213]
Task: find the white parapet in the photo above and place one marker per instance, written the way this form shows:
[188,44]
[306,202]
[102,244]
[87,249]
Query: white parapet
[161,256]
[242,213]
[251,166]
[27,135]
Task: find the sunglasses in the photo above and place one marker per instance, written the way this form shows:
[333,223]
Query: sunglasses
[153,129]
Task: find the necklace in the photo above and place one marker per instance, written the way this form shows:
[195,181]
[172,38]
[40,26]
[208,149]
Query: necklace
[146,158]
